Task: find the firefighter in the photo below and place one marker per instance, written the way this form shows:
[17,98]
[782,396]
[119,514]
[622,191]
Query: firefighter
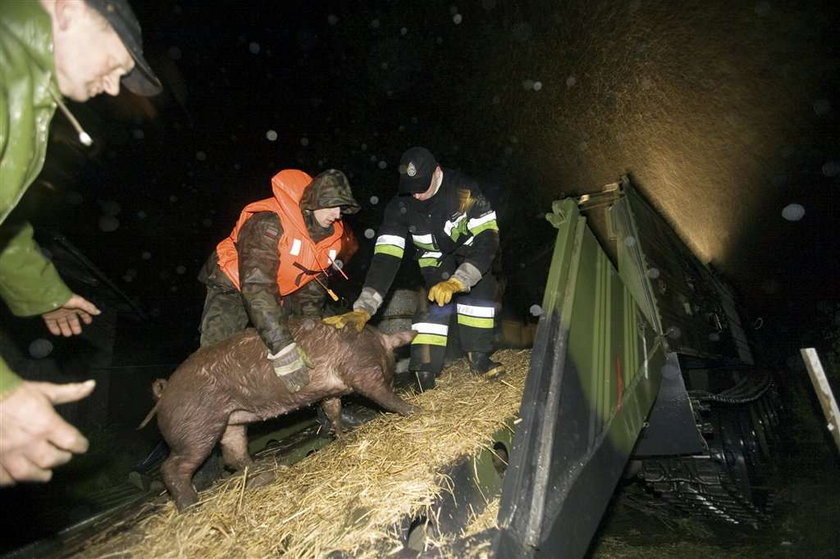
[275,262]
[456,238]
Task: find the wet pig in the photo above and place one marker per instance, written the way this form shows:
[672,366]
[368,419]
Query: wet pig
[221,388]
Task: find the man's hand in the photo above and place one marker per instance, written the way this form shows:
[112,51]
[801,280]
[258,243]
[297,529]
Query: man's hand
[64,321]
[291,365]
[34,439]
[441,293]
[356,319]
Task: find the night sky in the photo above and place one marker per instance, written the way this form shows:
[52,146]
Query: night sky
[723,113]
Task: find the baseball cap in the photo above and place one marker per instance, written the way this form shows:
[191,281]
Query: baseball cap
[141,80]
[416,167]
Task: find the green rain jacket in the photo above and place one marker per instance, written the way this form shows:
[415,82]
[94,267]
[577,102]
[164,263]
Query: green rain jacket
[29,283]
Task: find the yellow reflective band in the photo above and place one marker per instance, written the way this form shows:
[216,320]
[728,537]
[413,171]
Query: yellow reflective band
[390,250]
[474,322]
[484,227]
[428,262]
[429,339]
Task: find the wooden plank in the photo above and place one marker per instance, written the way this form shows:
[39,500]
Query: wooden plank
[823,390]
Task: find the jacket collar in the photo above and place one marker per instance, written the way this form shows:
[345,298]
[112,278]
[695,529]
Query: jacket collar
[31,26]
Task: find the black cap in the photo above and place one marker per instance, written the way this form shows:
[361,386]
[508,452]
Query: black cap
[141,80]
[417,165]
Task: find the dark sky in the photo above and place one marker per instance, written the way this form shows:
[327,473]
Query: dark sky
[724,114]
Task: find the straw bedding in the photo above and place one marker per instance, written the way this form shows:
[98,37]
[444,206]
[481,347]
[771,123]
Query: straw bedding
[346,499]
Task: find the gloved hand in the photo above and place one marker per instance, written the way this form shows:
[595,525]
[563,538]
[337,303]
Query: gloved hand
[442,292]
[357,319]
[291,365]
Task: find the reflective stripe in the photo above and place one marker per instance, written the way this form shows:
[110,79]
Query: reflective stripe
[475,322]
[472,310]
[430,328]
[295,250]
[424,241]
[429,339]
[450,225]
[391,240]
[483,223]
[332,255]
[428,262]
[390,250]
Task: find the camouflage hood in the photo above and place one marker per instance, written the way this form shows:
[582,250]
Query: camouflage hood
[328,190]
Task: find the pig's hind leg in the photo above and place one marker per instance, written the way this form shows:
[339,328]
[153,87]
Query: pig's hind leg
[187,452]
[235,454]
[371,384]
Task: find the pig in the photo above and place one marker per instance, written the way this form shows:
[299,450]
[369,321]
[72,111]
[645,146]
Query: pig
[219,389]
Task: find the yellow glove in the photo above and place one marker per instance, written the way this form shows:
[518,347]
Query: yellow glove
[441,293]
[357,319]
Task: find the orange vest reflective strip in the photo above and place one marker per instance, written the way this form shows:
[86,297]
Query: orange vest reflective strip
[301,258]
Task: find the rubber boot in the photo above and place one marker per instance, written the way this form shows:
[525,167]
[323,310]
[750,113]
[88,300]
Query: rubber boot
[425,380]
[482,365]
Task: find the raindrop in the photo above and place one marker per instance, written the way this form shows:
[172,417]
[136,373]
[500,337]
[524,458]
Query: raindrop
[374,200]
[382,164]
[108,223]
[373,159]
[338,263]
[369,233]
[403,209]
[146,255]
[630,241]
[571,81]
[652,273]
[40,348]
[271,135]
[332,19]
[364,147]
[200,155]
[456,19]
[174,53]
[537,86]
[254,48]
[831,168]
[793,212]
[535,310]
[304,141]
[404,31]
[445,275]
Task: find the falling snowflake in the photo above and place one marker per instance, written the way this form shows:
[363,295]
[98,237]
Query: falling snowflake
[181,270]
[369,233]
[821,107]
[173,198]
[138,134]
[374,200]
[571,81]
[364,147]
[831,168]
[630,241]
[535,310]
[254,48]
[332,19]
[528,85]
[382,164]
[174,53]
[456,19]
[146,255]
[207,222]
[653,273]
[375,24]
[271,135]
[793,212]
[200,155]
[304,141]
[141,214]
[403,30]
[537,86]
[338,263]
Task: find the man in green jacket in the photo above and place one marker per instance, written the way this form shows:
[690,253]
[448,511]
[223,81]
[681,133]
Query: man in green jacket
[49,49]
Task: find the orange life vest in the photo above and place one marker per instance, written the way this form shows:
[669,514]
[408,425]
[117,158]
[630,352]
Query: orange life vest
[301,258]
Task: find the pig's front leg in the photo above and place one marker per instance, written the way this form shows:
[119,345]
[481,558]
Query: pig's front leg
[235,447]
[332,409]
[371,384]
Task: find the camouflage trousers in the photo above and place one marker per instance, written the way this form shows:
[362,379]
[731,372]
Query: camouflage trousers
[225,313]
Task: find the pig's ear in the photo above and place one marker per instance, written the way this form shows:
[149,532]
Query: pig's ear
[399,339]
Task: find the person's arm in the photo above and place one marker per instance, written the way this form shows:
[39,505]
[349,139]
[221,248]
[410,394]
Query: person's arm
[258,264]
[481,223]
[387,257]
[34,439]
